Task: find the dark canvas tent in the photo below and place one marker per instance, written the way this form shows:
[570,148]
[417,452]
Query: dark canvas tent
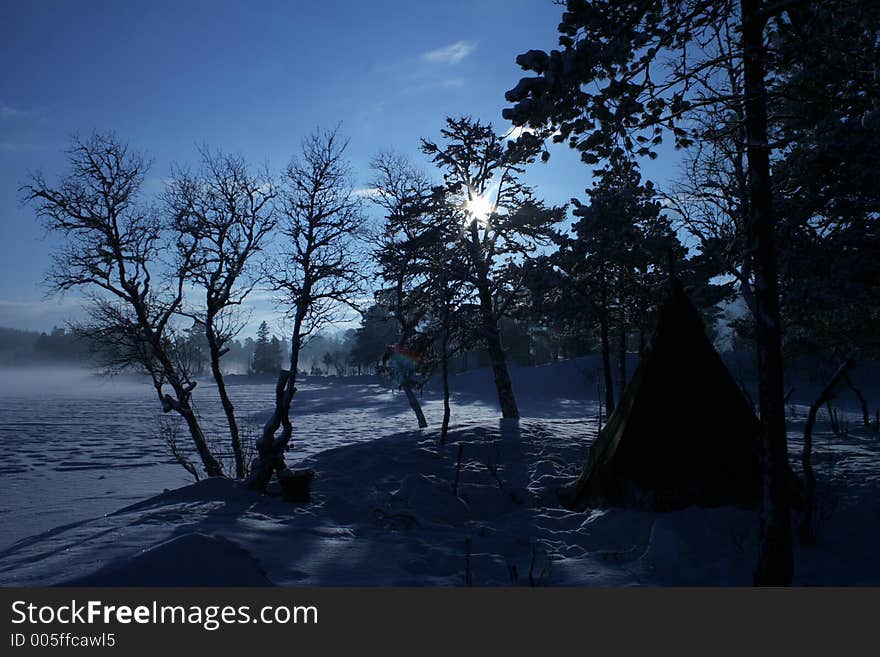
[682,434]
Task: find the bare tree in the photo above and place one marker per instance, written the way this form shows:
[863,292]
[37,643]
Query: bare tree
[317,274]
[224,214]
[425,271]
[111,249]
[711,197]
[709,202]
[406,196]
[450,315]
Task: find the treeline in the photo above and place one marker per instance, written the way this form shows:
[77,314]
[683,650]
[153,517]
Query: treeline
[69,346]
[342,353]
[57,347]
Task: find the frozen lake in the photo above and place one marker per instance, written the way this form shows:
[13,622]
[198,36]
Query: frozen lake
[76,446]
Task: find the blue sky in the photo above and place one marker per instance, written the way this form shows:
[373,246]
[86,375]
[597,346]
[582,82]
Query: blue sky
[250,78]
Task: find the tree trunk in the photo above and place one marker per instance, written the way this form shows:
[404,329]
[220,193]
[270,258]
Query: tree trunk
[497,356]
[228,408]
[775,564]
[606,350]
[808,535]
[271,449]
[212,467]
[414,404]
[444,369]
[180,404]
[863,403]
[406,332]
[808,530]
[498,359]
[621,360]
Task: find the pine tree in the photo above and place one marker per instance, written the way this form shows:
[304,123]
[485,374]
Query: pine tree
[627,74]
[500,226]
[264,360]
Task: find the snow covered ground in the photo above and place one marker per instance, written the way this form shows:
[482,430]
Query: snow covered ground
[76,445]
[384,512]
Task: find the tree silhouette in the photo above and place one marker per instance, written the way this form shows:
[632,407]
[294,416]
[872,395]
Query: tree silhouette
[225,215]
[317,273]
[111,249]
[626,74]
[501,221]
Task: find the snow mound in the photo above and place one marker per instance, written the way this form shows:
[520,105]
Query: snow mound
[189,560]
[690,545]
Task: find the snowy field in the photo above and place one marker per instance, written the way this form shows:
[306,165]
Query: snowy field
[76,446]
[383,510]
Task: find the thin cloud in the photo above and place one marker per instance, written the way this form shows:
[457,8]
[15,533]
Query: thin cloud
[451,54]
[9,112]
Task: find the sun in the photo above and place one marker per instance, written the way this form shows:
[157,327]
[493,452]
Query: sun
[479,207]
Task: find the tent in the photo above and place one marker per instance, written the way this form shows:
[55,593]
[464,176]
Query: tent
[682,434]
